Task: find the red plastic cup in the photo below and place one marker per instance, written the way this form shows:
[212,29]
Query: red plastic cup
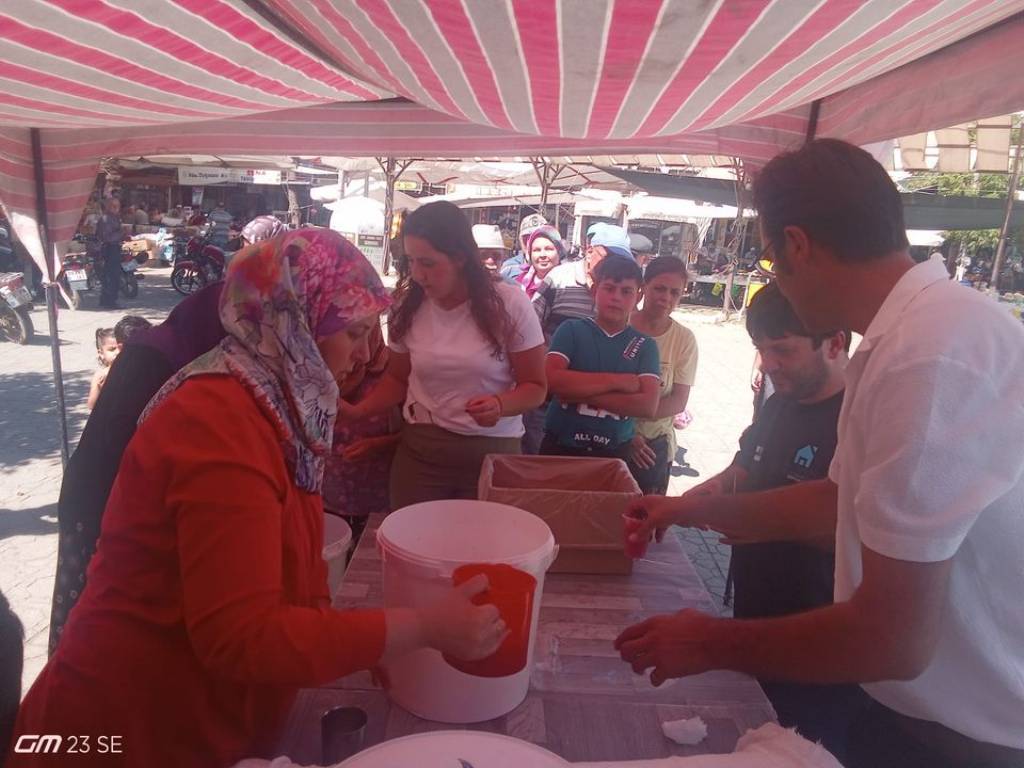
[511,590]
[633,549]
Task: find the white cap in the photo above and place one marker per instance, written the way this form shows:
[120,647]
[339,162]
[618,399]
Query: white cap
[488,236]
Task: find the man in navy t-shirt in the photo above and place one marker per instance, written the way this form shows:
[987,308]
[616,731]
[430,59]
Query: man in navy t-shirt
[601,372]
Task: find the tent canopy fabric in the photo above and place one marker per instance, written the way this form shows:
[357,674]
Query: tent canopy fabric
[494,78]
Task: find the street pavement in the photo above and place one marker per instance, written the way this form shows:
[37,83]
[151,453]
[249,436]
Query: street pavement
[30,465]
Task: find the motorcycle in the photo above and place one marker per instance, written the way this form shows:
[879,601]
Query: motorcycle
[201,265]
[75,278]
[83,271]
[15,321]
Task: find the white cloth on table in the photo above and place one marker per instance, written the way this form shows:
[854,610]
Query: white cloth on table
[770,746]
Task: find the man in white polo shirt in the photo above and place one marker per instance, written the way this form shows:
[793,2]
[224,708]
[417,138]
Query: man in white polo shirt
[925,497]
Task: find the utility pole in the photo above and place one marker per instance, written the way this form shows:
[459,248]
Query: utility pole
[1011,195]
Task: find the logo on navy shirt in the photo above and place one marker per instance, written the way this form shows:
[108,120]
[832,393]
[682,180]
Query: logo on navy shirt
[633,348]
[805,456]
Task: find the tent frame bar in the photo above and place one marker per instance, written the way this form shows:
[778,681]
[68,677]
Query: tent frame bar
[51,289]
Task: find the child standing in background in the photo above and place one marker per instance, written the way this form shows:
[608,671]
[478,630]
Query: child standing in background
[107,349]
[603,373]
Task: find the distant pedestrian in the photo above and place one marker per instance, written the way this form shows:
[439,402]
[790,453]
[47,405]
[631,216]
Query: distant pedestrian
[108,233]
[221,220]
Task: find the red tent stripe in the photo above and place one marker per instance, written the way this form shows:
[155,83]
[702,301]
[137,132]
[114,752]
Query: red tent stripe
[160,38]
[44,106]
[366,52]
[726,29]
[457,30]
[814,29]
[537,21]
[885,27]
[244,29]
[13,30]
[381,14]
[636,22]
[935,35]
[61,85]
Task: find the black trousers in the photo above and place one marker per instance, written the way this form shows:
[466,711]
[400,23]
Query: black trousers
[882,738]
[111,280]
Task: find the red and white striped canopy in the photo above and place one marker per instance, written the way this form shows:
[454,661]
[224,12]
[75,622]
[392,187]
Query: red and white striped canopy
[479,78]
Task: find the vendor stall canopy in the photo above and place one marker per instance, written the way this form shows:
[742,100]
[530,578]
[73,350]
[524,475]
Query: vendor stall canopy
[465,78]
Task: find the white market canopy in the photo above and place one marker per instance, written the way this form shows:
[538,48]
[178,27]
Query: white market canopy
[489,78]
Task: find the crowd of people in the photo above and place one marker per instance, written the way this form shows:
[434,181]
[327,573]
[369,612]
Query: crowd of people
[875,506]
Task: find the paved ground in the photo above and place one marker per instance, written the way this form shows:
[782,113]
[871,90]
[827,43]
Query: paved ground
[30,467]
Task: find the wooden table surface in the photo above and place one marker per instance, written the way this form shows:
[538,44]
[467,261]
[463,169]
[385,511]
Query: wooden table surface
[584,703]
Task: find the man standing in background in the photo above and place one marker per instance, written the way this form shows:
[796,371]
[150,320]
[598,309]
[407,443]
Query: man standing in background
[108,233]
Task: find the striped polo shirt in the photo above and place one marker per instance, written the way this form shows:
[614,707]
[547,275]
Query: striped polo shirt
[564,295]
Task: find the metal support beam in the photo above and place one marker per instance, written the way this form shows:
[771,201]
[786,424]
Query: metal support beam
[51,292]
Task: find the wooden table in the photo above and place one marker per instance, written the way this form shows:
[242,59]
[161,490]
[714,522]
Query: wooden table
[584,702]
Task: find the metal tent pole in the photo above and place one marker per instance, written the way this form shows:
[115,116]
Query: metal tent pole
[51,292]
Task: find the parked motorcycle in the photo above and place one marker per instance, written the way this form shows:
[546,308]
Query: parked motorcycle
[75,278]
[201,265]
[15,321]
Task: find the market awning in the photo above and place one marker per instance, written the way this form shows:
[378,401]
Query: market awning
[920,210]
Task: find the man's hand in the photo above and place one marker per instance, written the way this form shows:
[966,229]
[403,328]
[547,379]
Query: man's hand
[673,645]
[641,454]
[656,514]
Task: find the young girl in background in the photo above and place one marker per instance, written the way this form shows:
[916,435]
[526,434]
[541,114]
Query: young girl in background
[106,351]
[654,445]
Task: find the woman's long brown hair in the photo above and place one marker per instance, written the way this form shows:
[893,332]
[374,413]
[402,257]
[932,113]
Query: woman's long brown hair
[446,228]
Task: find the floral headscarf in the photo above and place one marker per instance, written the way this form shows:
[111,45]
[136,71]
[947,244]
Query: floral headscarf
[280,298]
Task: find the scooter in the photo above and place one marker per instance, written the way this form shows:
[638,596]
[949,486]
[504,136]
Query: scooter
[202,264]
[15,321]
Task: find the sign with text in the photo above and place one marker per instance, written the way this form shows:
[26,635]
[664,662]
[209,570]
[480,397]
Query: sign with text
[200,175]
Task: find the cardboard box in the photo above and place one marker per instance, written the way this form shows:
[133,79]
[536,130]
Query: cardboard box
[581,500]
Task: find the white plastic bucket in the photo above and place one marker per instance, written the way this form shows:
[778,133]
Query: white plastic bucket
[421,546]
[337,538]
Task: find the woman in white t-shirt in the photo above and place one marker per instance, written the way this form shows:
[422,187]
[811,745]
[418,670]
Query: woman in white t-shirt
[467,359]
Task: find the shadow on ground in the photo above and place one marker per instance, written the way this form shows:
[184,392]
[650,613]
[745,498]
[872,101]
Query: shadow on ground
[29,425]
[39,521]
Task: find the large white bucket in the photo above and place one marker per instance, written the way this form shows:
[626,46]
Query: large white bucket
[421,546]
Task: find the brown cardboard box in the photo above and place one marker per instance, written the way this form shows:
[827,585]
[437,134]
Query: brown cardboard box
[581,500]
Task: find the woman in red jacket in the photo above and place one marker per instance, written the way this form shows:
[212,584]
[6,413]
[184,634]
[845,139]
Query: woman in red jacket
[206,603]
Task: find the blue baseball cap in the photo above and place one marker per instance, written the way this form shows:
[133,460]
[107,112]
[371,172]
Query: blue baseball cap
[614,239]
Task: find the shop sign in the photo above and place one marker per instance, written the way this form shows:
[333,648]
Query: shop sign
[199,175]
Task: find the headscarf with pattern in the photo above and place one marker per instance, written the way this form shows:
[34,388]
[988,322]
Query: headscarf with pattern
[280,298]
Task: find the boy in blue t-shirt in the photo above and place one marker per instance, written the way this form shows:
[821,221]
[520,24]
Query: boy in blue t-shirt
[601,372]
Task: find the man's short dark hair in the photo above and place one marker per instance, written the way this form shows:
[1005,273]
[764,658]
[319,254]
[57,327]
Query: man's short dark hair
[618,269]
[771,316]
[838,194]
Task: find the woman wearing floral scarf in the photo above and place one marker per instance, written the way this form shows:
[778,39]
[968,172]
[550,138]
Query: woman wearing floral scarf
[206,605]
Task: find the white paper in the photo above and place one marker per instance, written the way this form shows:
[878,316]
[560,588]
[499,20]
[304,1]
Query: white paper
[688,731]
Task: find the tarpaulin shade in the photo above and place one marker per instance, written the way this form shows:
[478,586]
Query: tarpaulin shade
[488,78]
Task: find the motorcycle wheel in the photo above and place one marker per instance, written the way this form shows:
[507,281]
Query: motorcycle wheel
[129,286]
[186,281]
[16,325]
